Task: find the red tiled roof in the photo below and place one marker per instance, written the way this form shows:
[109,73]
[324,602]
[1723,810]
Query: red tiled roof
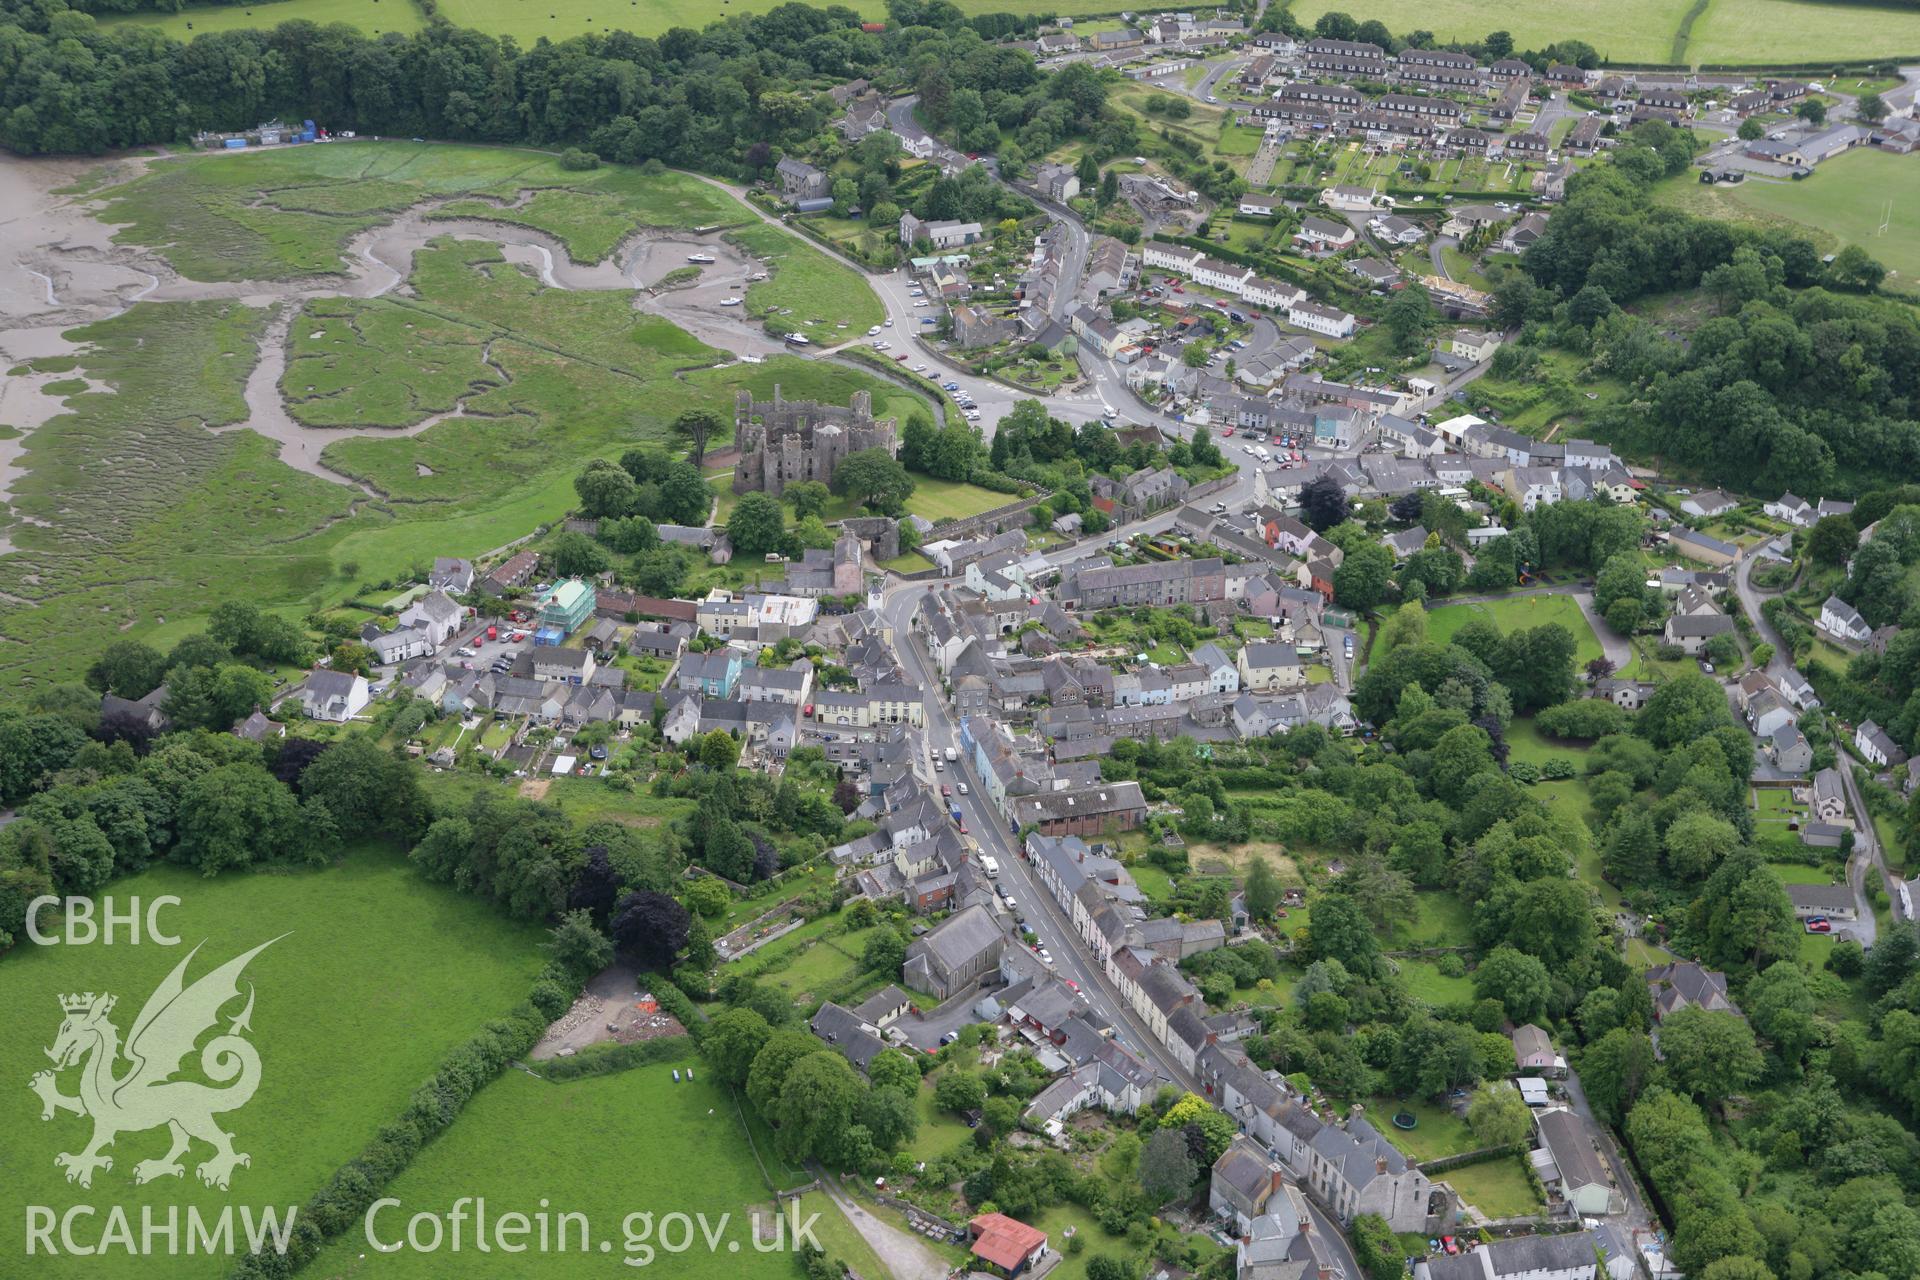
[1003,1241]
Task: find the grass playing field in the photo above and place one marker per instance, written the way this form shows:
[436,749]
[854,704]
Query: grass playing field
[607,1147]
[1515,613]
[177,518]
[378,975]
[1729,31]
[1844,202]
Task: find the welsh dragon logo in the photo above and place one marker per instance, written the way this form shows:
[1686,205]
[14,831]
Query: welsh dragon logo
[144,1095]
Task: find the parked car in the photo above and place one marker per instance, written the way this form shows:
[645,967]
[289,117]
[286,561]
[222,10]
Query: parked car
[1819,924]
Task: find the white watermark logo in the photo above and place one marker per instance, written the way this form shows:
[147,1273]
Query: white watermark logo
[144,1095]
[469,1224]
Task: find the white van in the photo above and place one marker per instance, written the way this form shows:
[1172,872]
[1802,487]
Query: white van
[991,867]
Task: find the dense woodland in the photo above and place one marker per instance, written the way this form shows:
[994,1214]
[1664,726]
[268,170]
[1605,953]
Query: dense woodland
[717,99]
[1793,381]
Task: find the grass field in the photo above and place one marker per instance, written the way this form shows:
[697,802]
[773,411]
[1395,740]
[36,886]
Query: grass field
[1636,30]
[378,974]
[1842,203]
[1517,613]
[1498,1188]
[375,17]
[526,20]
[1759,31]
[607,1147]
[138,518]
[1729,31]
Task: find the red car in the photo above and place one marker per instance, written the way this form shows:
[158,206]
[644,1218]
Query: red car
[945,790]
[1226,432]
[1819,924]
[1449,1244]
[963,828]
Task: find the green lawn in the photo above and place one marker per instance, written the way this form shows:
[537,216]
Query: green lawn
[1442,921]
[911,562]
[1516,613]
[1439,1132]
[827,962]
[940,1131]
[1153,881]
[1426,982]
[1530,745]
[606,1147]
[1843,202]
[939,500]
[375,975]
[1498,1188]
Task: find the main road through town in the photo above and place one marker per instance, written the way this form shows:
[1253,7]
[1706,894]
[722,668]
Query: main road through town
[1070,959]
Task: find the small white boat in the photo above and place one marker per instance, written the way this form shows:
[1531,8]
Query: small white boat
[729,302]
[700,257]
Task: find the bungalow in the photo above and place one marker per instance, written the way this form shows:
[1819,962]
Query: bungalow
[1708,504]
[1843,622]
[1003,1245]
[1834,901]
[1533,1051]
[1317,235]
[1574,1166]
[1375,273]
[1470,218]
[1347,199]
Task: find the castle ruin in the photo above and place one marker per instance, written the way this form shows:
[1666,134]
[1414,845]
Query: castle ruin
[787,441]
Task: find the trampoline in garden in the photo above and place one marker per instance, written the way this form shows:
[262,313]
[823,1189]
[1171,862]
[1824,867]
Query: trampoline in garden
[1404,1119]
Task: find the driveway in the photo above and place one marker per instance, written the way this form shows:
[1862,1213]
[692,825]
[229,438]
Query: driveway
[903,1254]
